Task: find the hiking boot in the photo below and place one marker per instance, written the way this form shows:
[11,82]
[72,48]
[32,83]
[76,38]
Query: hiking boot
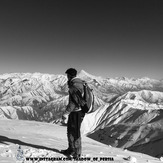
[66,151]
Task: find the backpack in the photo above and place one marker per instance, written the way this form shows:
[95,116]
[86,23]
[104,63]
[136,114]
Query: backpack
[86,100]
[88,97]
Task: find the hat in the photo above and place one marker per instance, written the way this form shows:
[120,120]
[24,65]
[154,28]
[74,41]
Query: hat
[71,72]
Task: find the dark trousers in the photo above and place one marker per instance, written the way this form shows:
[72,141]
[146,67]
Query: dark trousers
[73,131]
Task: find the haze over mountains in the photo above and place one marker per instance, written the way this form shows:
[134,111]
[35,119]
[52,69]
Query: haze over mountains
[128,112]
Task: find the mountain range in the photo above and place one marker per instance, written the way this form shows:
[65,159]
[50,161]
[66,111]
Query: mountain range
[128,112]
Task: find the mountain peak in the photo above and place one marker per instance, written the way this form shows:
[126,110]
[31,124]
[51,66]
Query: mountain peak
[84,75]
[82,72]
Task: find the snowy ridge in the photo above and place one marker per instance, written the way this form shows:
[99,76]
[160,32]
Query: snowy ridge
[133,121]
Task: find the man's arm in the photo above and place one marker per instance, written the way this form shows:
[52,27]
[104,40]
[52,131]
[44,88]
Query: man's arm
[73,102]
[69,108]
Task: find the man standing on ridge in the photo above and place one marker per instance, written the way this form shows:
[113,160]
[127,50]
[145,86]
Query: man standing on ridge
[75,114]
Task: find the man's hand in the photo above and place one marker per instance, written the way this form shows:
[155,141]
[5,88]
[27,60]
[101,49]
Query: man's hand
[65,118]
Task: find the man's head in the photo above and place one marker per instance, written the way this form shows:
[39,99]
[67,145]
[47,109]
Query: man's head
[71,73]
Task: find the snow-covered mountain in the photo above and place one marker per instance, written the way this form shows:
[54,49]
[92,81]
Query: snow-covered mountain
[29,94]
[133,121]
[35,96]
[128,112]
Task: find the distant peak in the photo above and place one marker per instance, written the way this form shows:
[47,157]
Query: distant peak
[84,72]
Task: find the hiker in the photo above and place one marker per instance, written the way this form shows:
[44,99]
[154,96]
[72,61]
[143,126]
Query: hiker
[75,114]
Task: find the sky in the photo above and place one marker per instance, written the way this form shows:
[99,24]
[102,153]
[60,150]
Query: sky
[108,38]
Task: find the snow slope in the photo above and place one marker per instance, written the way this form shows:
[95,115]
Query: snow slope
[40,140]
